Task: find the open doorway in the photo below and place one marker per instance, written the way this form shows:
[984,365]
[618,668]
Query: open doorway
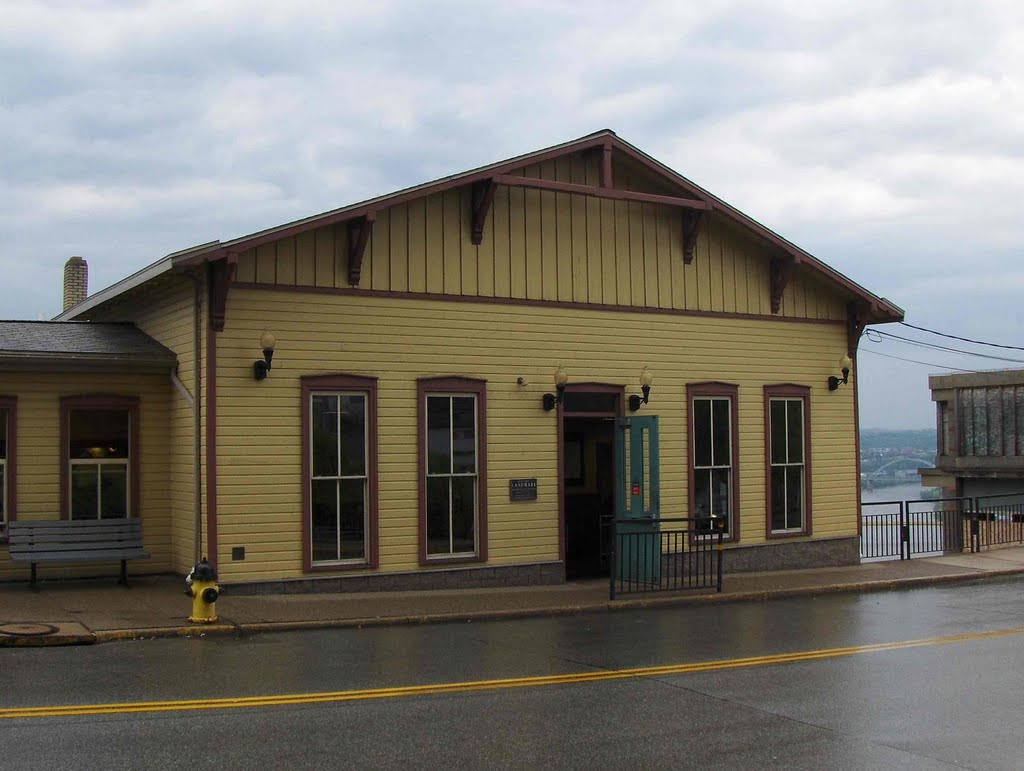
[588,489]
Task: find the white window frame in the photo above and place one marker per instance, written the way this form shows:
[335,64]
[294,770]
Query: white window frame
[802,465]
[339,478]
[99,464]
[710,469]
[475,474]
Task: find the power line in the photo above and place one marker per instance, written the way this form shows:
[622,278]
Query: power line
[944,348]
[962,339]
[914,361]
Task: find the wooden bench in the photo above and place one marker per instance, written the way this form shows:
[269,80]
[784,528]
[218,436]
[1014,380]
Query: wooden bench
[81,540]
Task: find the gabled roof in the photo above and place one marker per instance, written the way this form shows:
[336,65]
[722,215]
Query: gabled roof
[875,309]
[86,344]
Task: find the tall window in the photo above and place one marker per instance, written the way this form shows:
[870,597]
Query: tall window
[339,420]
[7,410]
[713,454]
[453,502]
[100,437]
[788,459]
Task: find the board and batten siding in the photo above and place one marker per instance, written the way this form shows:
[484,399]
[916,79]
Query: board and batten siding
[401,339]
[39,459]
[541,245]
[164,311]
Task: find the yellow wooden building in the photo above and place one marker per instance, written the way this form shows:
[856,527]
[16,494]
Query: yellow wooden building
[359,400]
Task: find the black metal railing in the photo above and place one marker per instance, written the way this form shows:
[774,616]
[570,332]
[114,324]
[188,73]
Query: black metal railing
[906,529]
[658,555]
[881,530]
[996,520]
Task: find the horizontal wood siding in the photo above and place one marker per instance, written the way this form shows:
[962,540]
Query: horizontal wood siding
[40,457]
[543,245]
[400,340]
[163,309]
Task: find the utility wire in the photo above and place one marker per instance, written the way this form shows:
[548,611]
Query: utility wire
[962,339]
[914,361]
[944,348]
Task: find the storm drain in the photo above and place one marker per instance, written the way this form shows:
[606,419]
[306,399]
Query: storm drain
[27,630]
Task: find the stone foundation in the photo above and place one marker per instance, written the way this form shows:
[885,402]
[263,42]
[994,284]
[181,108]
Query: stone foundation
[792,555]
[486,577]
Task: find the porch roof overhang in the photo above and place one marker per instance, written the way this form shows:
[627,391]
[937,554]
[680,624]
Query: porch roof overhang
[48,346]
[687,196]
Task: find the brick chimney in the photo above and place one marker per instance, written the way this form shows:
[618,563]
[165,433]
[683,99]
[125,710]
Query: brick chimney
[76,281]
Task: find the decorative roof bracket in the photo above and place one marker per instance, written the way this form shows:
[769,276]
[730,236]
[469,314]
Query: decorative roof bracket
[483,197]
[222,274]
[856,323]
[606,165]
[691,229]
[358,234]
[780,272]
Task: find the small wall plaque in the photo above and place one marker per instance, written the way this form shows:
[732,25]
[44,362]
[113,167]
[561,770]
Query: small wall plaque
[522,489]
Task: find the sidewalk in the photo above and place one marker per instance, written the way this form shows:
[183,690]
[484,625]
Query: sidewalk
[70,612]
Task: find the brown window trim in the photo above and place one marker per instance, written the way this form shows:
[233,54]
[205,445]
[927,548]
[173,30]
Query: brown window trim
[731,391]
[10,403]
[787,391]
[440,385]
[101,402]
[341,382]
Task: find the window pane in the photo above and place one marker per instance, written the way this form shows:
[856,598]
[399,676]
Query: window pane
[464,434]
[84,493]
[439,460]
[701,494]
[794,497]
[325,519]
[353,436]
[778,498]
[3,494]
[720,493]
[795,410]
[722,432]
[99,434]
[353,519]
[778,438]
[702,432]
[590,402]
[325,435]
[437,516]
[3,434]
[463,514]
[113,492]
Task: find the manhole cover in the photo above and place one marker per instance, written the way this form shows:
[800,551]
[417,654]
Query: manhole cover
[27,630]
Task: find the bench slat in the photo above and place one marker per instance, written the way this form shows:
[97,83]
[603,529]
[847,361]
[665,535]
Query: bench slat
[105,555]
[30,539]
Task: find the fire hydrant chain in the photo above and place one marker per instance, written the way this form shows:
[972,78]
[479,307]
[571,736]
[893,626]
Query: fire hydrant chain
[203,589]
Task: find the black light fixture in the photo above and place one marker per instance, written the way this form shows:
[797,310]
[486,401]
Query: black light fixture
[845,365]
[551,400]
[260,368]
[646,378]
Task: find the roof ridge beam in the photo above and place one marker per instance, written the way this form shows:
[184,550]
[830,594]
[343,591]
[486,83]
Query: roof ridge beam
[592,191]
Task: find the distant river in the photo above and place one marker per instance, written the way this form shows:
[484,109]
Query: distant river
[906,492]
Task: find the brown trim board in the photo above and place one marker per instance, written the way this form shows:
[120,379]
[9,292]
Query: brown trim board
[211,443]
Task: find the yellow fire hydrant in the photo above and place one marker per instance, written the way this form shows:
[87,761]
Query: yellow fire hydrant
[203,589]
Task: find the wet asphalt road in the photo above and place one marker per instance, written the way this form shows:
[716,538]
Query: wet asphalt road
[933,706]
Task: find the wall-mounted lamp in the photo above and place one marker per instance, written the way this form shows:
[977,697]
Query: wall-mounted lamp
[646,378]
[261,368]
[561,378]
[845,365]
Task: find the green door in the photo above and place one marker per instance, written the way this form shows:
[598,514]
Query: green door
[638,502]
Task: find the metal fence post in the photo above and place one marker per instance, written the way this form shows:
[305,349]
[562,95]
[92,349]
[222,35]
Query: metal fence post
[904,531]
[612,561]
[721,553]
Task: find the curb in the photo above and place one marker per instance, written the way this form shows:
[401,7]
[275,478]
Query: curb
[262,627]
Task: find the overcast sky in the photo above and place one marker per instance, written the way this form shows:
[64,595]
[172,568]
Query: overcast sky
[886,138]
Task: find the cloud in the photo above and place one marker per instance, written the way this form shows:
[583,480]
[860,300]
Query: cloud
[884,137]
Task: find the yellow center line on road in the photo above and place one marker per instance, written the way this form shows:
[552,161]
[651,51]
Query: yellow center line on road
[185,705]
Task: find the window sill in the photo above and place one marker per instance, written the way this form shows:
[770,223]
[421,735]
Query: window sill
[451,560]
[775,535]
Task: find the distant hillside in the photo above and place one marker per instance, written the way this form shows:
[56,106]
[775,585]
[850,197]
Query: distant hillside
[883,438]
